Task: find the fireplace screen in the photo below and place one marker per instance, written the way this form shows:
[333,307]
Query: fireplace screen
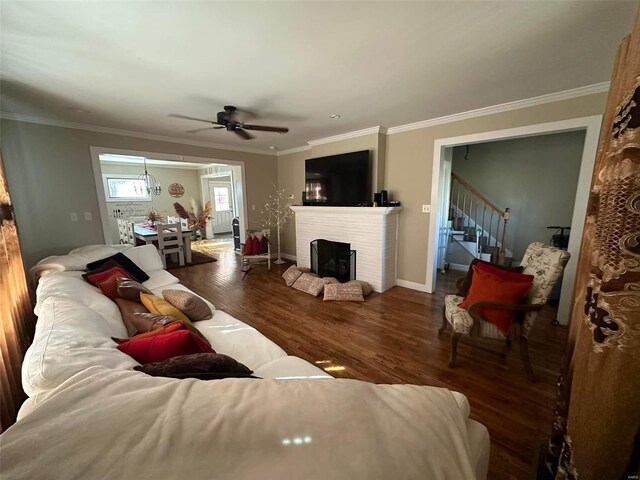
[333,259]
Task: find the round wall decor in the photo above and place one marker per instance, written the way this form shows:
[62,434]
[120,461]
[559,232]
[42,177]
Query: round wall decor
[176,190]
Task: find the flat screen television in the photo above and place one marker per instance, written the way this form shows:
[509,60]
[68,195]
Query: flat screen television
[338,180]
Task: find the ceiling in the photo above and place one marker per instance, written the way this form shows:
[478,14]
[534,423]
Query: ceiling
[128,65]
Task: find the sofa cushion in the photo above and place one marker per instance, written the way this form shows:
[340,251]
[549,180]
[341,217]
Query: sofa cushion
[69,338]
[161,347]
[195,365]
[290,368]
[350,292]
[126,263]
[160,279]
[157,304]
[188,303]
[232,337]
[290,275]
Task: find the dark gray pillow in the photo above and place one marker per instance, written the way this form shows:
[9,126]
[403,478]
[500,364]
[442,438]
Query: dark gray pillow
[125,262]
[196,365]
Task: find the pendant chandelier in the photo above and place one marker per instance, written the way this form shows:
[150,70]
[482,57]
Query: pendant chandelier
[151,184]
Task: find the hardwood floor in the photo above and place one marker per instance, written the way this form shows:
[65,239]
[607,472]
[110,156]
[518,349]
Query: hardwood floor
[392,338]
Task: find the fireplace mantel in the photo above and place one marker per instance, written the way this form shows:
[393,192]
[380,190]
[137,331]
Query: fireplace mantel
[371,231]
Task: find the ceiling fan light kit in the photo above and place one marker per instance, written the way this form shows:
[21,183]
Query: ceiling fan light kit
[227,119]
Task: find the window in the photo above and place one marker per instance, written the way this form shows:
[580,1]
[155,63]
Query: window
[119,188]
[221,199]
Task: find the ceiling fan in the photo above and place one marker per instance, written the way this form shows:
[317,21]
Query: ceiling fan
[227,119]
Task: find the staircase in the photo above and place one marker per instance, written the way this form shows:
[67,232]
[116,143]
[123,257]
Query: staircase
[476,224]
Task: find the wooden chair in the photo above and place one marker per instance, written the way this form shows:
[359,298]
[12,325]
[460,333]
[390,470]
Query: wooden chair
[546,264]
[170,241]
[125,232]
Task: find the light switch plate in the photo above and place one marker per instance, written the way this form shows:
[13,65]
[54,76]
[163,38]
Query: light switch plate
[426,208]
[74,216]
[88,217]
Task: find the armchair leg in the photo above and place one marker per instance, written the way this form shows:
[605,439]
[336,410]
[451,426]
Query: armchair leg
[444,323]
[455,338]
[524,354]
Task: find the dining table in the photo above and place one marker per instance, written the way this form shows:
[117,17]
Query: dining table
[148,234]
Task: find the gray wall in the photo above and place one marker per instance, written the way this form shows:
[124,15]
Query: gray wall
[50,174]
[536,177]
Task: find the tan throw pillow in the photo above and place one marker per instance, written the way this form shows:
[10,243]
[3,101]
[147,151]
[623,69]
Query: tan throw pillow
[311,284]
[146,322]
[351,292]
[366,288]
[291,275]
[129,306]
[188,303]
[131,289]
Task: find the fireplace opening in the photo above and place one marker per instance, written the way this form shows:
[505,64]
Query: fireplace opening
[333,259]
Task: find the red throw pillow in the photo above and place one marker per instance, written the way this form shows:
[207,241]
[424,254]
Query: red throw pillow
[504,274]
[94,278]
[255,246]
[109,286]
[161,347]
[172,327]
[486,287]
[247,248]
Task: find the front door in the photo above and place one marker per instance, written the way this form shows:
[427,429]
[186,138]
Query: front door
[222,200]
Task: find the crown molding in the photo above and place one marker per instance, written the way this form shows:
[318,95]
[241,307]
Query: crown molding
[504,107]
[456,117]
[293,150]
[19,117]
[345,136]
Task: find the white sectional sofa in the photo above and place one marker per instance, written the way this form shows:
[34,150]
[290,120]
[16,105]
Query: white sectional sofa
[73,359]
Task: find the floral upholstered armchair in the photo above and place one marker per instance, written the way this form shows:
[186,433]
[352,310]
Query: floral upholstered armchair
[546,264]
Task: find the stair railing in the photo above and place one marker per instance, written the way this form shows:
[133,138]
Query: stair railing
[470,211]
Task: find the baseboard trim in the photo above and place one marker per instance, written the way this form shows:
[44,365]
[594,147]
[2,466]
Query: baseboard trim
[421,287]
[286,256]
[459,266]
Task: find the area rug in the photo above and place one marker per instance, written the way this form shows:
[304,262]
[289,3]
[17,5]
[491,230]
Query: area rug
[197,258]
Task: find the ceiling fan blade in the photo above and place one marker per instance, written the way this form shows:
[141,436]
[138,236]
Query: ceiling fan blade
[202,129]
[243,134]
[185,117]
[265,128]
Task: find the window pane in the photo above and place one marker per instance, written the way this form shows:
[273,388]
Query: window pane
[221,199]
[126,188]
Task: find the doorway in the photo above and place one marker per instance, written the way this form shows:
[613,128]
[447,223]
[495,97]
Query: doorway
[221,197]
[439,191]
[182,179]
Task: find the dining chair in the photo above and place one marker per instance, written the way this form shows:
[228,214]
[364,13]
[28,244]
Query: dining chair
[122,231]
[170,241]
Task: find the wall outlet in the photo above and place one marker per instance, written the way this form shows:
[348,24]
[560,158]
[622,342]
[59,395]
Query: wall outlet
[426,208]
[253,207]
[88,217]
[74,216]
